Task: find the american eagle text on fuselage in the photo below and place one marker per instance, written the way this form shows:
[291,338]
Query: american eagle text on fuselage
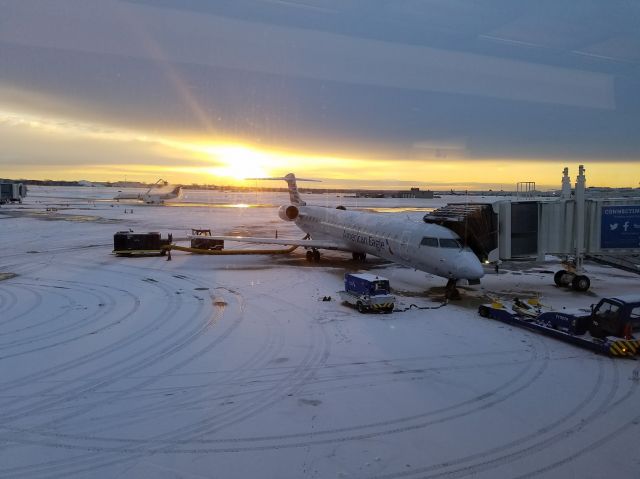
[369,240]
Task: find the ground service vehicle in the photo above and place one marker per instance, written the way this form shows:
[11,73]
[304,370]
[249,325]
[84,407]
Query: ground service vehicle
[127,243]
[201,239]
[367,292]
[612,327]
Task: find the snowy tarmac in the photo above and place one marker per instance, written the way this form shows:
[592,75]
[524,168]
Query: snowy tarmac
[234,367]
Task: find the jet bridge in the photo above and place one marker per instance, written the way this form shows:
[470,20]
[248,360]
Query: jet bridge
[570,226]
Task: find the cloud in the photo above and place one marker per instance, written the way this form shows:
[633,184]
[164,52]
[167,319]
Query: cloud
[403,83]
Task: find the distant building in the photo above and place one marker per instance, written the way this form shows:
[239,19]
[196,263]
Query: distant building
[606,192]
[415,193]
[88,183]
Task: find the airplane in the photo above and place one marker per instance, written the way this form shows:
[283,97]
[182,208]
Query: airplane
[426,247]
[154,195]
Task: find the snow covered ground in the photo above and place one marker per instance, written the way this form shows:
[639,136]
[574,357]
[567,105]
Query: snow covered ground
[234,367]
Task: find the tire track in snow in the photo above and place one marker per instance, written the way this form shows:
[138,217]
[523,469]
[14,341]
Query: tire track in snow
[548,436]
[103,306]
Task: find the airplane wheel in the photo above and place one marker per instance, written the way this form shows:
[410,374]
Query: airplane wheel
[360,257]
[316,256]
[452,294]
[557,278]
[309,255]
[581,283]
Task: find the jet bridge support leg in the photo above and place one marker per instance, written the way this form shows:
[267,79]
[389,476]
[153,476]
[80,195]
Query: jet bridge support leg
[574,274]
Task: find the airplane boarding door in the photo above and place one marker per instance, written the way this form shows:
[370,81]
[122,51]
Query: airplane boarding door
[404,245]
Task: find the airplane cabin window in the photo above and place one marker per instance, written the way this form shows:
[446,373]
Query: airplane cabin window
[433,242]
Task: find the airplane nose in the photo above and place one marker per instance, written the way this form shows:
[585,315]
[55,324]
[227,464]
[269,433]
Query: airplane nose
[469,268]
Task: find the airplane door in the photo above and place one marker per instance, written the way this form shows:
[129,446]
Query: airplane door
[404,245]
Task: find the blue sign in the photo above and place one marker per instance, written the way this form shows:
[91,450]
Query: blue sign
[620,227]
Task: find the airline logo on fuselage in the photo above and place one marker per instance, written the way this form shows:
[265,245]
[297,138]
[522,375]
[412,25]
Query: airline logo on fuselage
[367,240]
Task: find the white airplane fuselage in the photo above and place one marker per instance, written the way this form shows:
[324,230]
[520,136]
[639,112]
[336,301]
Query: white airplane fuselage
[151,198]
[426,247]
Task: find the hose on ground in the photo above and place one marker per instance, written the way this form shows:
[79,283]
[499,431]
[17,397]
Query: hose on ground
[415,306]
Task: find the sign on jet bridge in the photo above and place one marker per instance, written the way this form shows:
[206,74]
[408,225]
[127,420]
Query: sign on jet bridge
[620,227]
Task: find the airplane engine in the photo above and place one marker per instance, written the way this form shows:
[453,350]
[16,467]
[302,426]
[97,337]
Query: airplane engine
[288,212]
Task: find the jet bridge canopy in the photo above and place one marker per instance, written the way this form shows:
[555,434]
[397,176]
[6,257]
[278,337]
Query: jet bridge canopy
[475,223]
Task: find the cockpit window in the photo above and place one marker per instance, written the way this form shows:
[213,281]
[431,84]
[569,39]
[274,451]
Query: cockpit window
[450,243]
[429,242]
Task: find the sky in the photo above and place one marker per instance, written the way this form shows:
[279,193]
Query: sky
[358,93]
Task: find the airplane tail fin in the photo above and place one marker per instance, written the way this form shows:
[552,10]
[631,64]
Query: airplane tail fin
[294,194]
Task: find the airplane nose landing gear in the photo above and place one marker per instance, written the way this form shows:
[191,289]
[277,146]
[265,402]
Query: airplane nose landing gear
[450,291]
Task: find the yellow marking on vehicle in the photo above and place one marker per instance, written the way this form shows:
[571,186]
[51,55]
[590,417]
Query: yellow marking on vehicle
[624,347]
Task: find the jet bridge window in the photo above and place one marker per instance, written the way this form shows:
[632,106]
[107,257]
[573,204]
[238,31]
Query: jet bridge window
[433,242]
[450,243]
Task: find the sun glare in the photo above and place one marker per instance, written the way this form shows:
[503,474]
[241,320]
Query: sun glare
[238,162]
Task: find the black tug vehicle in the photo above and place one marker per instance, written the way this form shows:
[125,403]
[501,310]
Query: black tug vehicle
[612,327]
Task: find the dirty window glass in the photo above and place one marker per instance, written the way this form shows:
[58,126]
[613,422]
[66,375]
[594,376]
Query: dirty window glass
[449,243]
[433,242]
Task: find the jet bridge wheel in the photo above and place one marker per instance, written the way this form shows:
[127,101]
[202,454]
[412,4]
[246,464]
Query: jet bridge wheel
[581,283]
[563,278]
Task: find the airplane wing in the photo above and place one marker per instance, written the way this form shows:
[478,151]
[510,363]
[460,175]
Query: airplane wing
[318,244]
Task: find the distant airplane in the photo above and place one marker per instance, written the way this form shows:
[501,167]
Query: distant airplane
[155,195]
[426,247]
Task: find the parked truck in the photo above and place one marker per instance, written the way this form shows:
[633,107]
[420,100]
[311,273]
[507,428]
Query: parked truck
[612,327]
[367,292]
[201,239]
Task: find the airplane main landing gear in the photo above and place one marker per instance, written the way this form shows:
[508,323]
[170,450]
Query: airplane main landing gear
[313,255]
[360,257]
[451,291]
